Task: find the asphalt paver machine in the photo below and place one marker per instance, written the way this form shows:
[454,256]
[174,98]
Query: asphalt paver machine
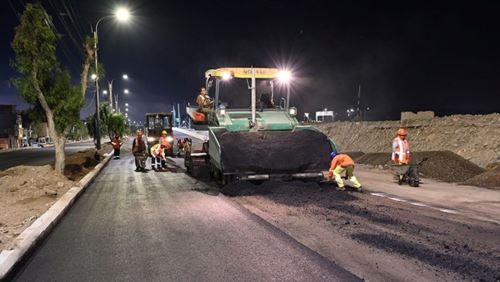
[262,141]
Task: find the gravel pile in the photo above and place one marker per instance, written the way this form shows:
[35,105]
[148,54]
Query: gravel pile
[441,165]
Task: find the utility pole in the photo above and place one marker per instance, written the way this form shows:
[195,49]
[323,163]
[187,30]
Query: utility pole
[97,106]
[110,87]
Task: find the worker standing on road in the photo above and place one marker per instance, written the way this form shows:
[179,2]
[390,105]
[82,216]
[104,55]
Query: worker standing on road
[116,142]
[401,148]
[166,144]
[157,156]
[205,104]
[339,164]
[139,149]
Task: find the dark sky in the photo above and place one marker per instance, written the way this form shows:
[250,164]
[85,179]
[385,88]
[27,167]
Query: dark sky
[407,55]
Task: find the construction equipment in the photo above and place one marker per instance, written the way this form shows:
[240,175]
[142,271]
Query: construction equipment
[257,144]
[155,124]
[407,173]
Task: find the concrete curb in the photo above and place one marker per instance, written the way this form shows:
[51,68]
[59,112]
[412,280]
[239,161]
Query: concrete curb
[28,239]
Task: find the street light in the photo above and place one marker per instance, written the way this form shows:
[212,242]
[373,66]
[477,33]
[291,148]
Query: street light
[126,91]
[126,104]
[105,92]
[93,76]
[121,14]
[125,76]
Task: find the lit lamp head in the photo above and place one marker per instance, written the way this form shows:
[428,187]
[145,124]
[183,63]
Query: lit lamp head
[122,14]
[226,76]
[125,76]
[285,76]
[93,76]
[126,91]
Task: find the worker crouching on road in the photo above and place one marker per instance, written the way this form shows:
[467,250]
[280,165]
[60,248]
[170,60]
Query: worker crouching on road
[157,156]
[117,143]
[166,145]
[401,148]
[139,149]
[339,164]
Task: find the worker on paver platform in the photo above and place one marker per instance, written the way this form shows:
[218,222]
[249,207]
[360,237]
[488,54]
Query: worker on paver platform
[139,149]
[205,104]
[166,145]
[339,164]
[401,148]
[117,143]
[157,156]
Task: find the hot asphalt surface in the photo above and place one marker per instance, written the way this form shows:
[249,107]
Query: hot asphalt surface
[161,226]
[37,156]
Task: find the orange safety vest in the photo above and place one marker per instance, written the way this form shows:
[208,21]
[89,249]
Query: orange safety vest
[400,151]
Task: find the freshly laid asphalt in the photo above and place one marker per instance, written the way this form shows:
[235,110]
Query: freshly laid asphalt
[37,156]
[161,226]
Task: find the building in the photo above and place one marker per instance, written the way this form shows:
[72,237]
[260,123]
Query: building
[11,128]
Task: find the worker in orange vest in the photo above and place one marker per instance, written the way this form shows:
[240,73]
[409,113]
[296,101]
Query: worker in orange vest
[401,148]
[339,164]
[166,145]
[117,143]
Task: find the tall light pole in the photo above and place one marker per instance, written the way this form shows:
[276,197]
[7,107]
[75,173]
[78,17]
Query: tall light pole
[121,14]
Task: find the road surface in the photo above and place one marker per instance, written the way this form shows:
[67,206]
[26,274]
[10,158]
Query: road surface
[165,226]
[37,156]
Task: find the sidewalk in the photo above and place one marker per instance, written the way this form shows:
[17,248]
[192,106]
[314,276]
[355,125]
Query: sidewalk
[475,202]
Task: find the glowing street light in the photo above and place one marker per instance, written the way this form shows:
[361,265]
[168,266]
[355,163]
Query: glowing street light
[126,104]
[126,109]
[93,76]
[122,14]
[125,76]
[105,92]
[126,91]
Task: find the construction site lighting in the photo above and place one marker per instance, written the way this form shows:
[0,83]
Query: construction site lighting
[292,111]
[226,76]
[122,14]
[285,76]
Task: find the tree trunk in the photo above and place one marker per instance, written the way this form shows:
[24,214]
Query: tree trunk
[61,140]
[59,144]
[89,55]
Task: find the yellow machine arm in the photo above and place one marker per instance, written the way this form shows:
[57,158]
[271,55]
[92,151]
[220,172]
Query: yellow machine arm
[260,73]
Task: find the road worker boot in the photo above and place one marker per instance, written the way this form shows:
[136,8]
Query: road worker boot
[356,183]
[340,182]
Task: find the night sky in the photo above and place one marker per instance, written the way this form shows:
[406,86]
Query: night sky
[406,55]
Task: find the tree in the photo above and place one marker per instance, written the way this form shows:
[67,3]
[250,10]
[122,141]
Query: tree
[112,124]
[42,82]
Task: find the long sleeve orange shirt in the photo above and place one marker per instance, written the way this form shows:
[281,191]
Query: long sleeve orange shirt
[341,160]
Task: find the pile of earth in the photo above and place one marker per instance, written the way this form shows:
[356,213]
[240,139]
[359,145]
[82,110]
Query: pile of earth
[80,163]
[441,165]
[26,192]
[274,151]
[489,179]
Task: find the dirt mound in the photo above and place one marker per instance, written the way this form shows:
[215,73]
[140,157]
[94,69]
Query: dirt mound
[442,165]
[274,151]
[25,193]
[488,179]
[474,137]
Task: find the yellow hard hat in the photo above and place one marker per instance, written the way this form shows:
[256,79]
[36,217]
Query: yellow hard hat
[164,132]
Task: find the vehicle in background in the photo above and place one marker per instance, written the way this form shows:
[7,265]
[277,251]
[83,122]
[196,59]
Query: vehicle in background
[155,124]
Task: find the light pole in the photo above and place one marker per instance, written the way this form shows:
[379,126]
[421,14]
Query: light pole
[121,14]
